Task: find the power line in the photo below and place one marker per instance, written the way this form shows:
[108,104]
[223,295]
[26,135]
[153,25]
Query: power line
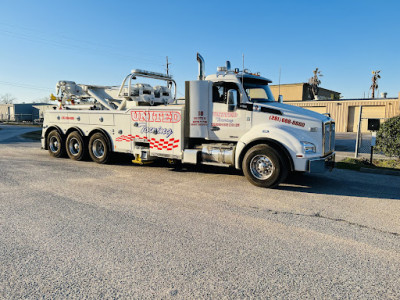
[25,86]
[64,45]
[95,44]
[94,49]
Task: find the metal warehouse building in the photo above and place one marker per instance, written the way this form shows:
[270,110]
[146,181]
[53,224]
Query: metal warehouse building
[20,112]
[344,111]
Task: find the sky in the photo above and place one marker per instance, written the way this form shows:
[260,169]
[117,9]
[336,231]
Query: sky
[100,42]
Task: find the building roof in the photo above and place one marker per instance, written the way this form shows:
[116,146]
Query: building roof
[355,99]
[305,83]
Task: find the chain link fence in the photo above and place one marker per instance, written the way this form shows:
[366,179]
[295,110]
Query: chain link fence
[366,137]
[22,118]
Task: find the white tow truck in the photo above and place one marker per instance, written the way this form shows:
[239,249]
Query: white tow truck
[228,119]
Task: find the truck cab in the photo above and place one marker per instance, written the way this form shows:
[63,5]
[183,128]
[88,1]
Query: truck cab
[282,138]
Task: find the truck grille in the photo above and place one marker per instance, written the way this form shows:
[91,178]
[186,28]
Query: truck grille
[329,137]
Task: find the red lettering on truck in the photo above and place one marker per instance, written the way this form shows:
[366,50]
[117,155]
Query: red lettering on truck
[156,116]
[287,121]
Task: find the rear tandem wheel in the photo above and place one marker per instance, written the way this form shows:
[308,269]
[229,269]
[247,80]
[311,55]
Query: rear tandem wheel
[99,149]
[75,146]
[55,144]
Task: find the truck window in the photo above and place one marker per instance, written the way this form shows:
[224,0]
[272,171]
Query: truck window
[218,94]
[258,93]
[220,91]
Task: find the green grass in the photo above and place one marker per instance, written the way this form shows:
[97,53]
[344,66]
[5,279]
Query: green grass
[357,164]
[33,135]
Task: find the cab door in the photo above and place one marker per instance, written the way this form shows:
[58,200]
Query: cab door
[229,121]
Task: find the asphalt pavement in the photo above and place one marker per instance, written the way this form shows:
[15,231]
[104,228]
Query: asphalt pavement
[82,230]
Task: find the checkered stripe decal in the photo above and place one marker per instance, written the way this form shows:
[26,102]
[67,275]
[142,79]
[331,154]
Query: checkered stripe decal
[161,144]
[129,138]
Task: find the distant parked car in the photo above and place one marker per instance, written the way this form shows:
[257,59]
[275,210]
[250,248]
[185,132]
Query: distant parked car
[38,121]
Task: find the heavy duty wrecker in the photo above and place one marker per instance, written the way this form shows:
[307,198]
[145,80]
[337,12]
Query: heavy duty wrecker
[228,119]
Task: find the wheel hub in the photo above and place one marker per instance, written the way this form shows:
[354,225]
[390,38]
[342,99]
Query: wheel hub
[53,144]
[261,167]
[74,146]
[98,148]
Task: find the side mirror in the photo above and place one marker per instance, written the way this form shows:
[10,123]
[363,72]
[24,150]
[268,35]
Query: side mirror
[280,98]
[232,100]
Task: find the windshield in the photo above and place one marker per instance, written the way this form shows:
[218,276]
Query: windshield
[258,93]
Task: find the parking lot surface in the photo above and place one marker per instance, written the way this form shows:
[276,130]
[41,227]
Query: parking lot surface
[81,230]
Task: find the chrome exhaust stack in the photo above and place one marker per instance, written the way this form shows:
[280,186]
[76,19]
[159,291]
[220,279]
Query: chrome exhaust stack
[200,60]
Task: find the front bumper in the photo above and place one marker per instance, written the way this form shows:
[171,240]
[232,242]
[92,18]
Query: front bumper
[322,164]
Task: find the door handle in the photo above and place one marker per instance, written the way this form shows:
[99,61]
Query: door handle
[215,128]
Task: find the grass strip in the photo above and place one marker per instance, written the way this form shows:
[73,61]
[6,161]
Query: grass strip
[357,164]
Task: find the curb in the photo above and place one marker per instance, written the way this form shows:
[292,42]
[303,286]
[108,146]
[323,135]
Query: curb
[378,171]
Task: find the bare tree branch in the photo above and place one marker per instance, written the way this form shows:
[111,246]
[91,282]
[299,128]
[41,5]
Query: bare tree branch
[7,99]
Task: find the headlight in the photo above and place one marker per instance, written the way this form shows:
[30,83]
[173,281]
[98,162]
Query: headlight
[308,147]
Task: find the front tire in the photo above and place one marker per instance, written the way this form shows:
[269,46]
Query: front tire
[263,166]
[99,149]
[55,144]
[75,146]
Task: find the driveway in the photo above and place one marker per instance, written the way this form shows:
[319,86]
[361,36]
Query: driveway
[81,230]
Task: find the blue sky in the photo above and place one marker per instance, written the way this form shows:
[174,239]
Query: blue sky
[99,42]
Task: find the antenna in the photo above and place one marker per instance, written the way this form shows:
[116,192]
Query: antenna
[279,84]
[243,67]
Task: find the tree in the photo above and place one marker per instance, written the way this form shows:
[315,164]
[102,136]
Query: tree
[7,99]
[314,82]
[388,137]
[374,85]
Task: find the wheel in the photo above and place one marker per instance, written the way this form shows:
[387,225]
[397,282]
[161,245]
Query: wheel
[55,144]
[99,149]
[75,146]
[264,167]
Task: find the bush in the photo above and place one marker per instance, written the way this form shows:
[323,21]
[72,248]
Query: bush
[388,137]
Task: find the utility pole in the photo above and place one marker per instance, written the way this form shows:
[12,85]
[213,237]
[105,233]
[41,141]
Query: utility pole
[168,66]
[169,82]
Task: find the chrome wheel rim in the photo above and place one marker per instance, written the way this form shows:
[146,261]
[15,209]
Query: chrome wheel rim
[74,146]
[98,148]
[261,167]
[54,144]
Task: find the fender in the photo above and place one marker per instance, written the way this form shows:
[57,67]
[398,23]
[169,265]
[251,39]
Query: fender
[75,129]
[259,134]
[51,127]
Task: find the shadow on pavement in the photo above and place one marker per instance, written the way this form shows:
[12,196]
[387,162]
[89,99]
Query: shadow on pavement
[335,184]
[120,159]
[325,184]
